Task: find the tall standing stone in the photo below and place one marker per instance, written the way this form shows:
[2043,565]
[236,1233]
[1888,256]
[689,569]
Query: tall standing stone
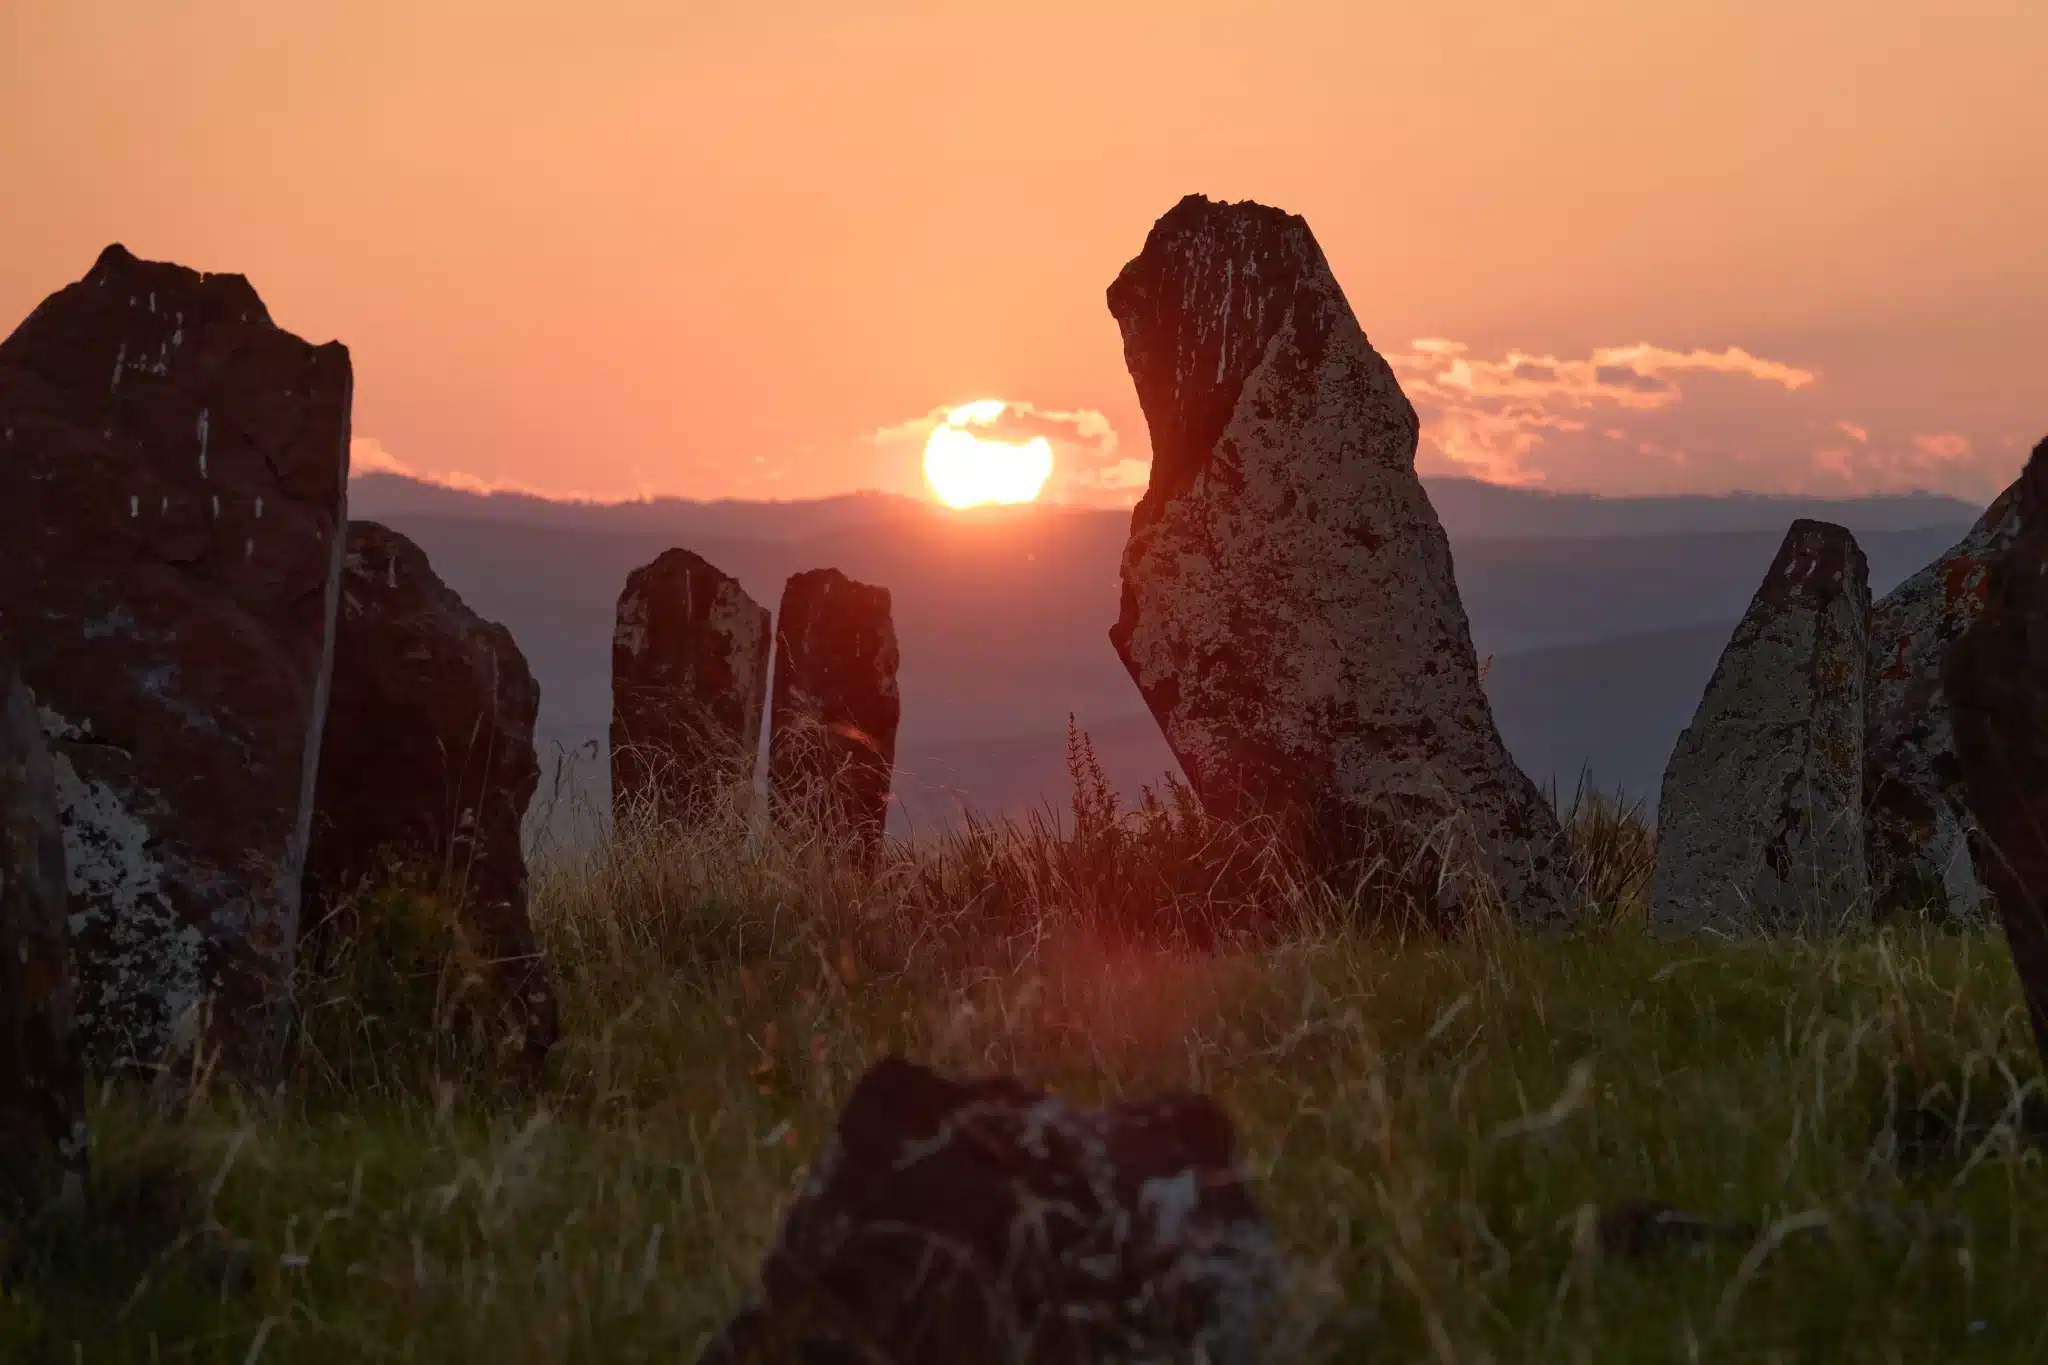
[689,683]
[832,733]
[1917,817]
[429,760]
[1289,610]
[1759,823]
[172,485]
[42,1078]
[1995,681]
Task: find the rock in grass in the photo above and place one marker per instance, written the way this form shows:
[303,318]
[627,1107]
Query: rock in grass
[946,1221]
[42,1077]
[833,722]
[1917,819]
[1759,823]
[1995,681]
[429,762]
[172,470]
[1289,609]
[689,682]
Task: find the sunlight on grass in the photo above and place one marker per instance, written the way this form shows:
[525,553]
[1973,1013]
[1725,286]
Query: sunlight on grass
[1433,1124]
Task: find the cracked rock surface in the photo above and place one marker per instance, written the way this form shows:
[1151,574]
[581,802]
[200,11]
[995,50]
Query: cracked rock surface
[429,760]
[1289,610]
[689,683]
[1760,819]
[172,472]
[948,1220]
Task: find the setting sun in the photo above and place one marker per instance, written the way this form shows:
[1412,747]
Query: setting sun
[966,470]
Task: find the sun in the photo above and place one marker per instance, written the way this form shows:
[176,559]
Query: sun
[967,470]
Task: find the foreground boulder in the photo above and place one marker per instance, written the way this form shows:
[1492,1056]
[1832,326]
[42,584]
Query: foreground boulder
[42,1078]
[947,1221]
[833,723]
[689,681]
[1289,610]
[1996,684]
[1759,823]
[172,467]
[1917,819]
[429,761]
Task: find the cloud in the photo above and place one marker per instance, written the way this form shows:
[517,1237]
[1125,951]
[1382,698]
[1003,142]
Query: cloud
[1086,467]
[367,455]
[1645,418]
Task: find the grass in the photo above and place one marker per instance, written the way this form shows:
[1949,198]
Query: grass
[1433,1123]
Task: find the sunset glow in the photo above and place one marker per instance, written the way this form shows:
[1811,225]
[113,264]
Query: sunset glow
[967,470]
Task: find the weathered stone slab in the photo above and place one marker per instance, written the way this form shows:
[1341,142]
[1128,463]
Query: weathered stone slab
[42,1076]
[1759,823]
[1289,610]
[172,472]
[836,706]
[429,761]
[946,1221]
[1995,681]
[689,684]
[1916,818]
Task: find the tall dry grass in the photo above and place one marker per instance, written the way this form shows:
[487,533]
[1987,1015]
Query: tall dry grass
[1434,1121]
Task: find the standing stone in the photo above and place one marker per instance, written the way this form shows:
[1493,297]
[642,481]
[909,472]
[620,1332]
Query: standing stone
[947,1221]
[42,1078]
[1759,823]
[1289,610]
[429,760]
[689,681]
[833,735]
[1916,816]
[172,485]
[1996,684]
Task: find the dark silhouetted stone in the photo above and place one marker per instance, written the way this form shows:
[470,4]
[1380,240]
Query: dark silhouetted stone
[1916,819]
[833,723]
[429,760]
[1759,824]
[689,683]
[950,1221]
[42,1077]
[172,471]
[1289,609]
[1996,680]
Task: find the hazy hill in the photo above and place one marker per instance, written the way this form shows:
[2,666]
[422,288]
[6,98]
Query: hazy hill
[1602,642]
[1468,508]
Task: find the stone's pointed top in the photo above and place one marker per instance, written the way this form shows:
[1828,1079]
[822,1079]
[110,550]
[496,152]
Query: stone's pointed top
[114,259]
[1817,557]
[2035,475]
[227,297]
[1212,292]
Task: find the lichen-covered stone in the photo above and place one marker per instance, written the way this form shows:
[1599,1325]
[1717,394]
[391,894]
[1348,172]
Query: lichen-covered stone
[1916,819]
[429,761]
[1289,611]
[946,1221]
[172,474]
[689,684]
[42,1076]
[832,736]
[1759,823]
[1995,680]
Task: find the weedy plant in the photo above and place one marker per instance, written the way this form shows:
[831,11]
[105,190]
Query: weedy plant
[1439,1124]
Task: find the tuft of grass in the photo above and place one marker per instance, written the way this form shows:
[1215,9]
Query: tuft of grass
[1434,1121]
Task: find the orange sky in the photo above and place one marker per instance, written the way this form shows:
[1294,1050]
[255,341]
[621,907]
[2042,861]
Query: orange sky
[744,249]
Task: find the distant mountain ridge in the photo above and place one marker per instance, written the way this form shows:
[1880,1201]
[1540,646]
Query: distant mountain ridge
[1469,508]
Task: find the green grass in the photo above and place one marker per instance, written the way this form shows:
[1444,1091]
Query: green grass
[1431,1124]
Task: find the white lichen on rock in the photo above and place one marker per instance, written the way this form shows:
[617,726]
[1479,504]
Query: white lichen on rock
[1760,820]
